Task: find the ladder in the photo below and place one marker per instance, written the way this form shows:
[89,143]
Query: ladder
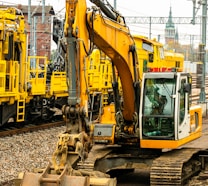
[20,110]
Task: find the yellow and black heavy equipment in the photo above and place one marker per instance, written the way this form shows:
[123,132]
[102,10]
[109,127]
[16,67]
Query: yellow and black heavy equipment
[153,118]
[27,94]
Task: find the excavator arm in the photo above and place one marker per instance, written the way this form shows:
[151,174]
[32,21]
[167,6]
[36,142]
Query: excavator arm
[107,30]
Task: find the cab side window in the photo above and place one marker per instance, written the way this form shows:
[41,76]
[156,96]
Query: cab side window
[182,101]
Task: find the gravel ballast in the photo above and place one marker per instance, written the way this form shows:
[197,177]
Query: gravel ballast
[25,152]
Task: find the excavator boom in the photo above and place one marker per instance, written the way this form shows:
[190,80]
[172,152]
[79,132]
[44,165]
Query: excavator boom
[116,42]
[109,34]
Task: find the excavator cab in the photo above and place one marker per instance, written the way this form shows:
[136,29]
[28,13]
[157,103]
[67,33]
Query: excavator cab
[167,119]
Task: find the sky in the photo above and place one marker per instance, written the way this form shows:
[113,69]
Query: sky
[143,8]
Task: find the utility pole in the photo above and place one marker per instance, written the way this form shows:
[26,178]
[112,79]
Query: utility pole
[29,12]
[43,11]
[34,36]
[150,28]
[194,13]
[115,4]
[202,96]
[33,21]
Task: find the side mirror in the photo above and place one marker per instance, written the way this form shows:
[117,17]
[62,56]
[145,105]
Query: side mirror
[187,88]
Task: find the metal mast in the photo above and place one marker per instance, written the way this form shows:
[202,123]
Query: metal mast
[202,95]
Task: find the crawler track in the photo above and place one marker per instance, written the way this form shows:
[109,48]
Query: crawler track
[175,167]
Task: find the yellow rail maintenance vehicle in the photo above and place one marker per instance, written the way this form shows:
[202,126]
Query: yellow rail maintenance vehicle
[153,57]
[153,119]
[26,95]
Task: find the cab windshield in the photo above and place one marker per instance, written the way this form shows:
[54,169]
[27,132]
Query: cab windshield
[158,108]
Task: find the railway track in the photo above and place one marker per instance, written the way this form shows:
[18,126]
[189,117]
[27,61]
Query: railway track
[13,130]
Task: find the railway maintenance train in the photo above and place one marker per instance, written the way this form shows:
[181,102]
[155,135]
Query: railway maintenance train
[31,88]
[150,116]
[27,93]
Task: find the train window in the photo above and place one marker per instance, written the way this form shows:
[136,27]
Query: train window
[148,47]
[151,57]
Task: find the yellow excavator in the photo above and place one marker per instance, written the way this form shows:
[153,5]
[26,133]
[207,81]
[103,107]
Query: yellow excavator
[151,119]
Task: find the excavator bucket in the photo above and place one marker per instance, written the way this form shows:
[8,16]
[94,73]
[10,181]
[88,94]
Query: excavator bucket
[33,179]
[49,178]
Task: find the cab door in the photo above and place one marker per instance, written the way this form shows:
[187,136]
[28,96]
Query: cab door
[182,109]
